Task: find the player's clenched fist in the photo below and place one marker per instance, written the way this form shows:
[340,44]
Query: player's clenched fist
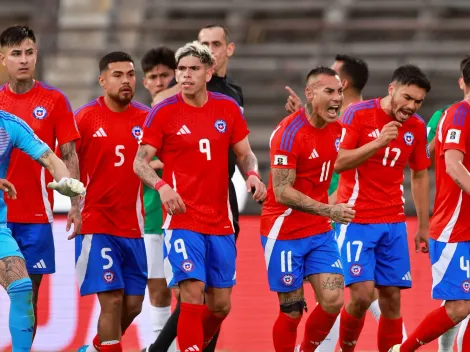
[342,213]
[69,187]
[253,182]
[171,200]
[389,132]
[8,187]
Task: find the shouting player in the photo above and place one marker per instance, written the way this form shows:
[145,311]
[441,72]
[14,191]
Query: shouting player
[110,252]
[15,133]
[159,67]
[199,240]
[379,138]
[48,112]
[449,239]
[296,231]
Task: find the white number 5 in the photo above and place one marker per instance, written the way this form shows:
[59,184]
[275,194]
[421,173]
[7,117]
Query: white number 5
[107,257]
[120,155]
[205,147]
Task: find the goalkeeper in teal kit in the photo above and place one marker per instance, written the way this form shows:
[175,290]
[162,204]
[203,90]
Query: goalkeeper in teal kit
[14,133]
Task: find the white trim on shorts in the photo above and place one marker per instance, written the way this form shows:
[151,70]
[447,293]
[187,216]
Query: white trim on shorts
[154,250]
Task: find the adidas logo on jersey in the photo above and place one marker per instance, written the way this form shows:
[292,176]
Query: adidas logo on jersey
[375,133]
[314,154]
[40,265]
[337,264]
[100,133]
[183,130]
[407,277]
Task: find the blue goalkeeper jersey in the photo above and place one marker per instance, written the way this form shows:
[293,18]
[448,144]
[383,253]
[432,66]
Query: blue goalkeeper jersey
[15,133]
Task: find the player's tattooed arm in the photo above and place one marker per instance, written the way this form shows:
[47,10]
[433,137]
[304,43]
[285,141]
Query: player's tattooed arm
[44,159]
[283,182]
[247,163]
[457,170]
[70,159]
[142,167]
[54,165]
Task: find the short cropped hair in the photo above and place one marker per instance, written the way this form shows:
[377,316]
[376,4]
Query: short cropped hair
[321,70]
[158,56]
[356,69]
[411,74]
[15,35]
[114,56]
[225,29]
[195,49]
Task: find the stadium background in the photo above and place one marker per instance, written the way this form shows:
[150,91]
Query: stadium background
[277,42]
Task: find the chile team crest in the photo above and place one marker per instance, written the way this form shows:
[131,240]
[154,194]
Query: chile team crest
[466,286]
[108,276]
[356,269]
[409,138]
[337,142]
[220,126]
[39,112]
[288,280]
[137,132]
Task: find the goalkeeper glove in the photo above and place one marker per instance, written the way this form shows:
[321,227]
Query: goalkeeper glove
[69,187]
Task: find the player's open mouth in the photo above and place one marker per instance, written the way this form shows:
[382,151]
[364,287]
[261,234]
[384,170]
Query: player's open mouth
[333,110]
[126,90]
[403,114]
[186,84]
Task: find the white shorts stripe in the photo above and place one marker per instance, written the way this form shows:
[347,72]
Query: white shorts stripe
[440,267]
[166,262]
[82,261]
[272,236]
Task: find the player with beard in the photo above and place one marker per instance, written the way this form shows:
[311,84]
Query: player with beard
[379,138]
[110,252]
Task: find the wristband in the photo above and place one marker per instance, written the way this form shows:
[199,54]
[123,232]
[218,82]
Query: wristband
[160,184]
[253,173]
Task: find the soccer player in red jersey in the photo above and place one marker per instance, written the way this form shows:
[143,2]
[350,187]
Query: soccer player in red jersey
[110,252]
[48,112]
[449,243]
[296,231]
[191,133]
[379,138]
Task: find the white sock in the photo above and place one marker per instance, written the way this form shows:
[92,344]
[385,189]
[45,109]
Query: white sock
[446,340]
[109,343]
[329,343]
[463,326]
[91,348]
[375,309]
[159,317]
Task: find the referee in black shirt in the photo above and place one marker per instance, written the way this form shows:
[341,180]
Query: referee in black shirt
[217,38]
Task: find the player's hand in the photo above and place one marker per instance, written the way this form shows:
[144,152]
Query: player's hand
[260,189]
[7,186]
[156,164]
[389,132]
[422,237]
[342,213]
[293,101]
[171,200]
[69,187]
[74,217]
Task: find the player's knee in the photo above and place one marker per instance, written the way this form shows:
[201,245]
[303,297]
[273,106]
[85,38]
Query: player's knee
[111,301]
[160,294]
[361,303]
[192,291]
[133,308]
[333,302]
[221,308]
[294,309]
[457,310]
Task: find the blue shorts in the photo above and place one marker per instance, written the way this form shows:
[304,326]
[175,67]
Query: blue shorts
[207,258]
[375,252]
[289,261]
[8,245]
[36,242]
[106,262]
[450,270]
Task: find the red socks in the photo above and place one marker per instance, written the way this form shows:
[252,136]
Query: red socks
[317,328]
[434,325]
[190,330]
[349,330]
[113,347]
[285,332]
[390,333]
[211,324]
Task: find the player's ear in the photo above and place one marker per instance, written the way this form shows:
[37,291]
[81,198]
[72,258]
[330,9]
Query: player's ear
[102,81]
[308,93]
[461,83]
[209,73]
[3,58]
[230,49]
[391,88]
[345,84]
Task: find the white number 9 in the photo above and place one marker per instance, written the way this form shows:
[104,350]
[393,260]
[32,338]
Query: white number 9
[205,147]
[180,248]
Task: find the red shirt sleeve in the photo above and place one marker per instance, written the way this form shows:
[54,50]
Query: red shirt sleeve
[350,132]
[240,128]
[282,155]
[153,127]
[420,157]
[455,129]
[66,128]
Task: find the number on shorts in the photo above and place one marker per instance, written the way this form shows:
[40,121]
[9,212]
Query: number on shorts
[285,259]
[180,248]
[465,265]
[120,155]
[107,257]
[205,147]
[358,250]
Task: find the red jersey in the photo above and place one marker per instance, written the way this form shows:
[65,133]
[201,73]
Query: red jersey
[296,144]
[113,201]
[193,143]
[376,186]
[48,112]
[451,218]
